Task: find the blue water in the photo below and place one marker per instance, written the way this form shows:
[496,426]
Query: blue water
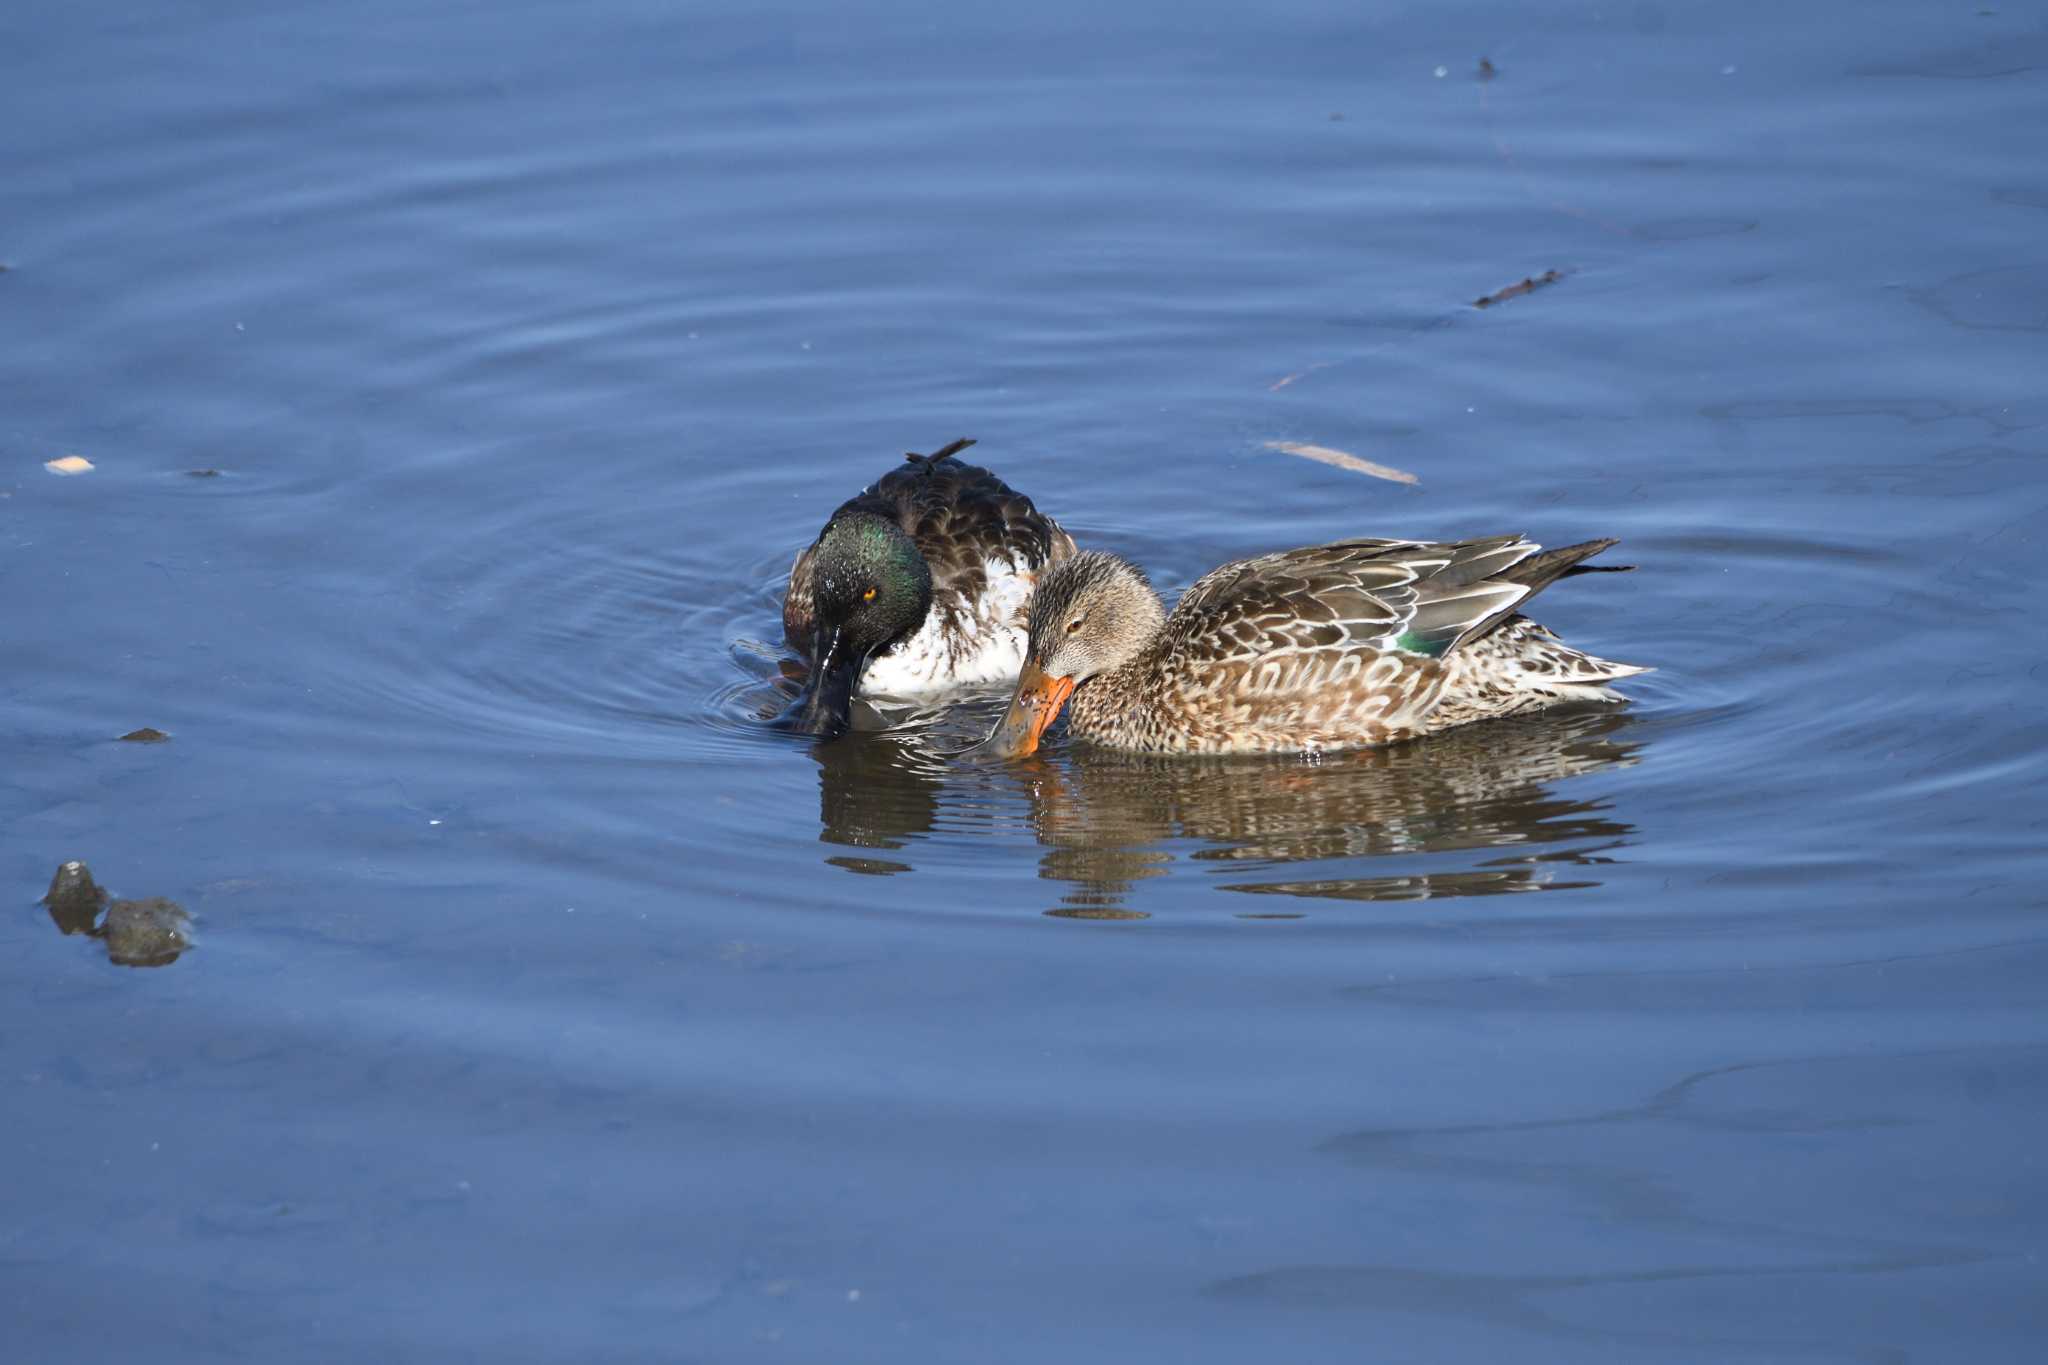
[546,1005]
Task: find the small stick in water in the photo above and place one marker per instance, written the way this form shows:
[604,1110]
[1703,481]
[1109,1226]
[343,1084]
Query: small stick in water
[1527,285]
[1342,460]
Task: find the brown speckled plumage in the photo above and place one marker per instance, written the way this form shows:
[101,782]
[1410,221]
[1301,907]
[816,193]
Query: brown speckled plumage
[1357,643]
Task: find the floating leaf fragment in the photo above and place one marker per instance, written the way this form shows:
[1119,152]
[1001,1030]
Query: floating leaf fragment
[148,734]
[69,464]
[1342,460]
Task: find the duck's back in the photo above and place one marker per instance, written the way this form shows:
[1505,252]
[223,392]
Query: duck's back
[964,519]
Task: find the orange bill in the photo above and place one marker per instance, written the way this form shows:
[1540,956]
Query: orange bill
[1036,705]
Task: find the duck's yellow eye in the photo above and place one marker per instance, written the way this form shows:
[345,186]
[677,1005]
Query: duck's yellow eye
[868,596]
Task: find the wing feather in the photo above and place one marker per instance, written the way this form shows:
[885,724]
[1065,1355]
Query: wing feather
[799,605]
[1353,597]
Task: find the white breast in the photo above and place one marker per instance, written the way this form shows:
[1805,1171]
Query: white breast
[959,643]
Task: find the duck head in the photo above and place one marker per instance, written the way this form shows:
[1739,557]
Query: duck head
[1089,615]
[870,588]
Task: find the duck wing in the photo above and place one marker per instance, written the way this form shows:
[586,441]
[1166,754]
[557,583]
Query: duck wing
[1366,597]
[799,605]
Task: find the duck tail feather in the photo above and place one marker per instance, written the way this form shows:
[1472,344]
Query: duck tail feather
[944,452]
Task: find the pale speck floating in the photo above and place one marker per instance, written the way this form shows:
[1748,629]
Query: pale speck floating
[69,464]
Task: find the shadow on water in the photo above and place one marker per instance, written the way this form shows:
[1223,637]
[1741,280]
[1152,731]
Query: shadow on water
[1107,822]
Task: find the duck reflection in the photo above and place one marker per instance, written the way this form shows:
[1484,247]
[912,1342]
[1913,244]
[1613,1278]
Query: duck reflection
[1106,816]
[878,791]
[1108,821]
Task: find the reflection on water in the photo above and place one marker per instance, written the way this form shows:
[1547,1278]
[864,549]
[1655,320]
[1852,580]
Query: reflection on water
[1108,821]
[877,791]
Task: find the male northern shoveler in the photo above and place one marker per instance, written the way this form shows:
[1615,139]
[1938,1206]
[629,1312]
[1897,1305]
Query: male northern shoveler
[916,585]
[1337,646]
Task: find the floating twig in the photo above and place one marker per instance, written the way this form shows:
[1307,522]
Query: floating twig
[1527,285]
[1280,384]
[1343,460]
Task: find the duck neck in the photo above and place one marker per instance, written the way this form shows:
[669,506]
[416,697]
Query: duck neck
[1101,701]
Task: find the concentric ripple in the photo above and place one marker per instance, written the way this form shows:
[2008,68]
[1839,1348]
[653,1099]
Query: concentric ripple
[573,624]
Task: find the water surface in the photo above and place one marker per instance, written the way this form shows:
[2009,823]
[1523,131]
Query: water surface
[546,1005]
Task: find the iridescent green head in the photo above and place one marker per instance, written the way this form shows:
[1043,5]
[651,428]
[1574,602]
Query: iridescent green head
[870,588]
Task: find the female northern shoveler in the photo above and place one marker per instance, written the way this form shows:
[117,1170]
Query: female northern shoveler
[916,585]
[1338,646]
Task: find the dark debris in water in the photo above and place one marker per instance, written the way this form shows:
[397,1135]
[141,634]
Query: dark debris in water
[202,473]
[146,933]
[1487,70]
[148,734]
[75,899]
[1527,285]
[140,933]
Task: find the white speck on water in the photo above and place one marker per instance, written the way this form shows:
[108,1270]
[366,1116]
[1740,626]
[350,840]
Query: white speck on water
[240,328]
[853,1296]
[433,822]
[572,909]
[1441,72]
[155,1146]
[1728,70]
[806,345]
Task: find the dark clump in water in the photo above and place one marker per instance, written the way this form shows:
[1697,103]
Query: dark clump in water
[140,933]
[146,933]
[75,899]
